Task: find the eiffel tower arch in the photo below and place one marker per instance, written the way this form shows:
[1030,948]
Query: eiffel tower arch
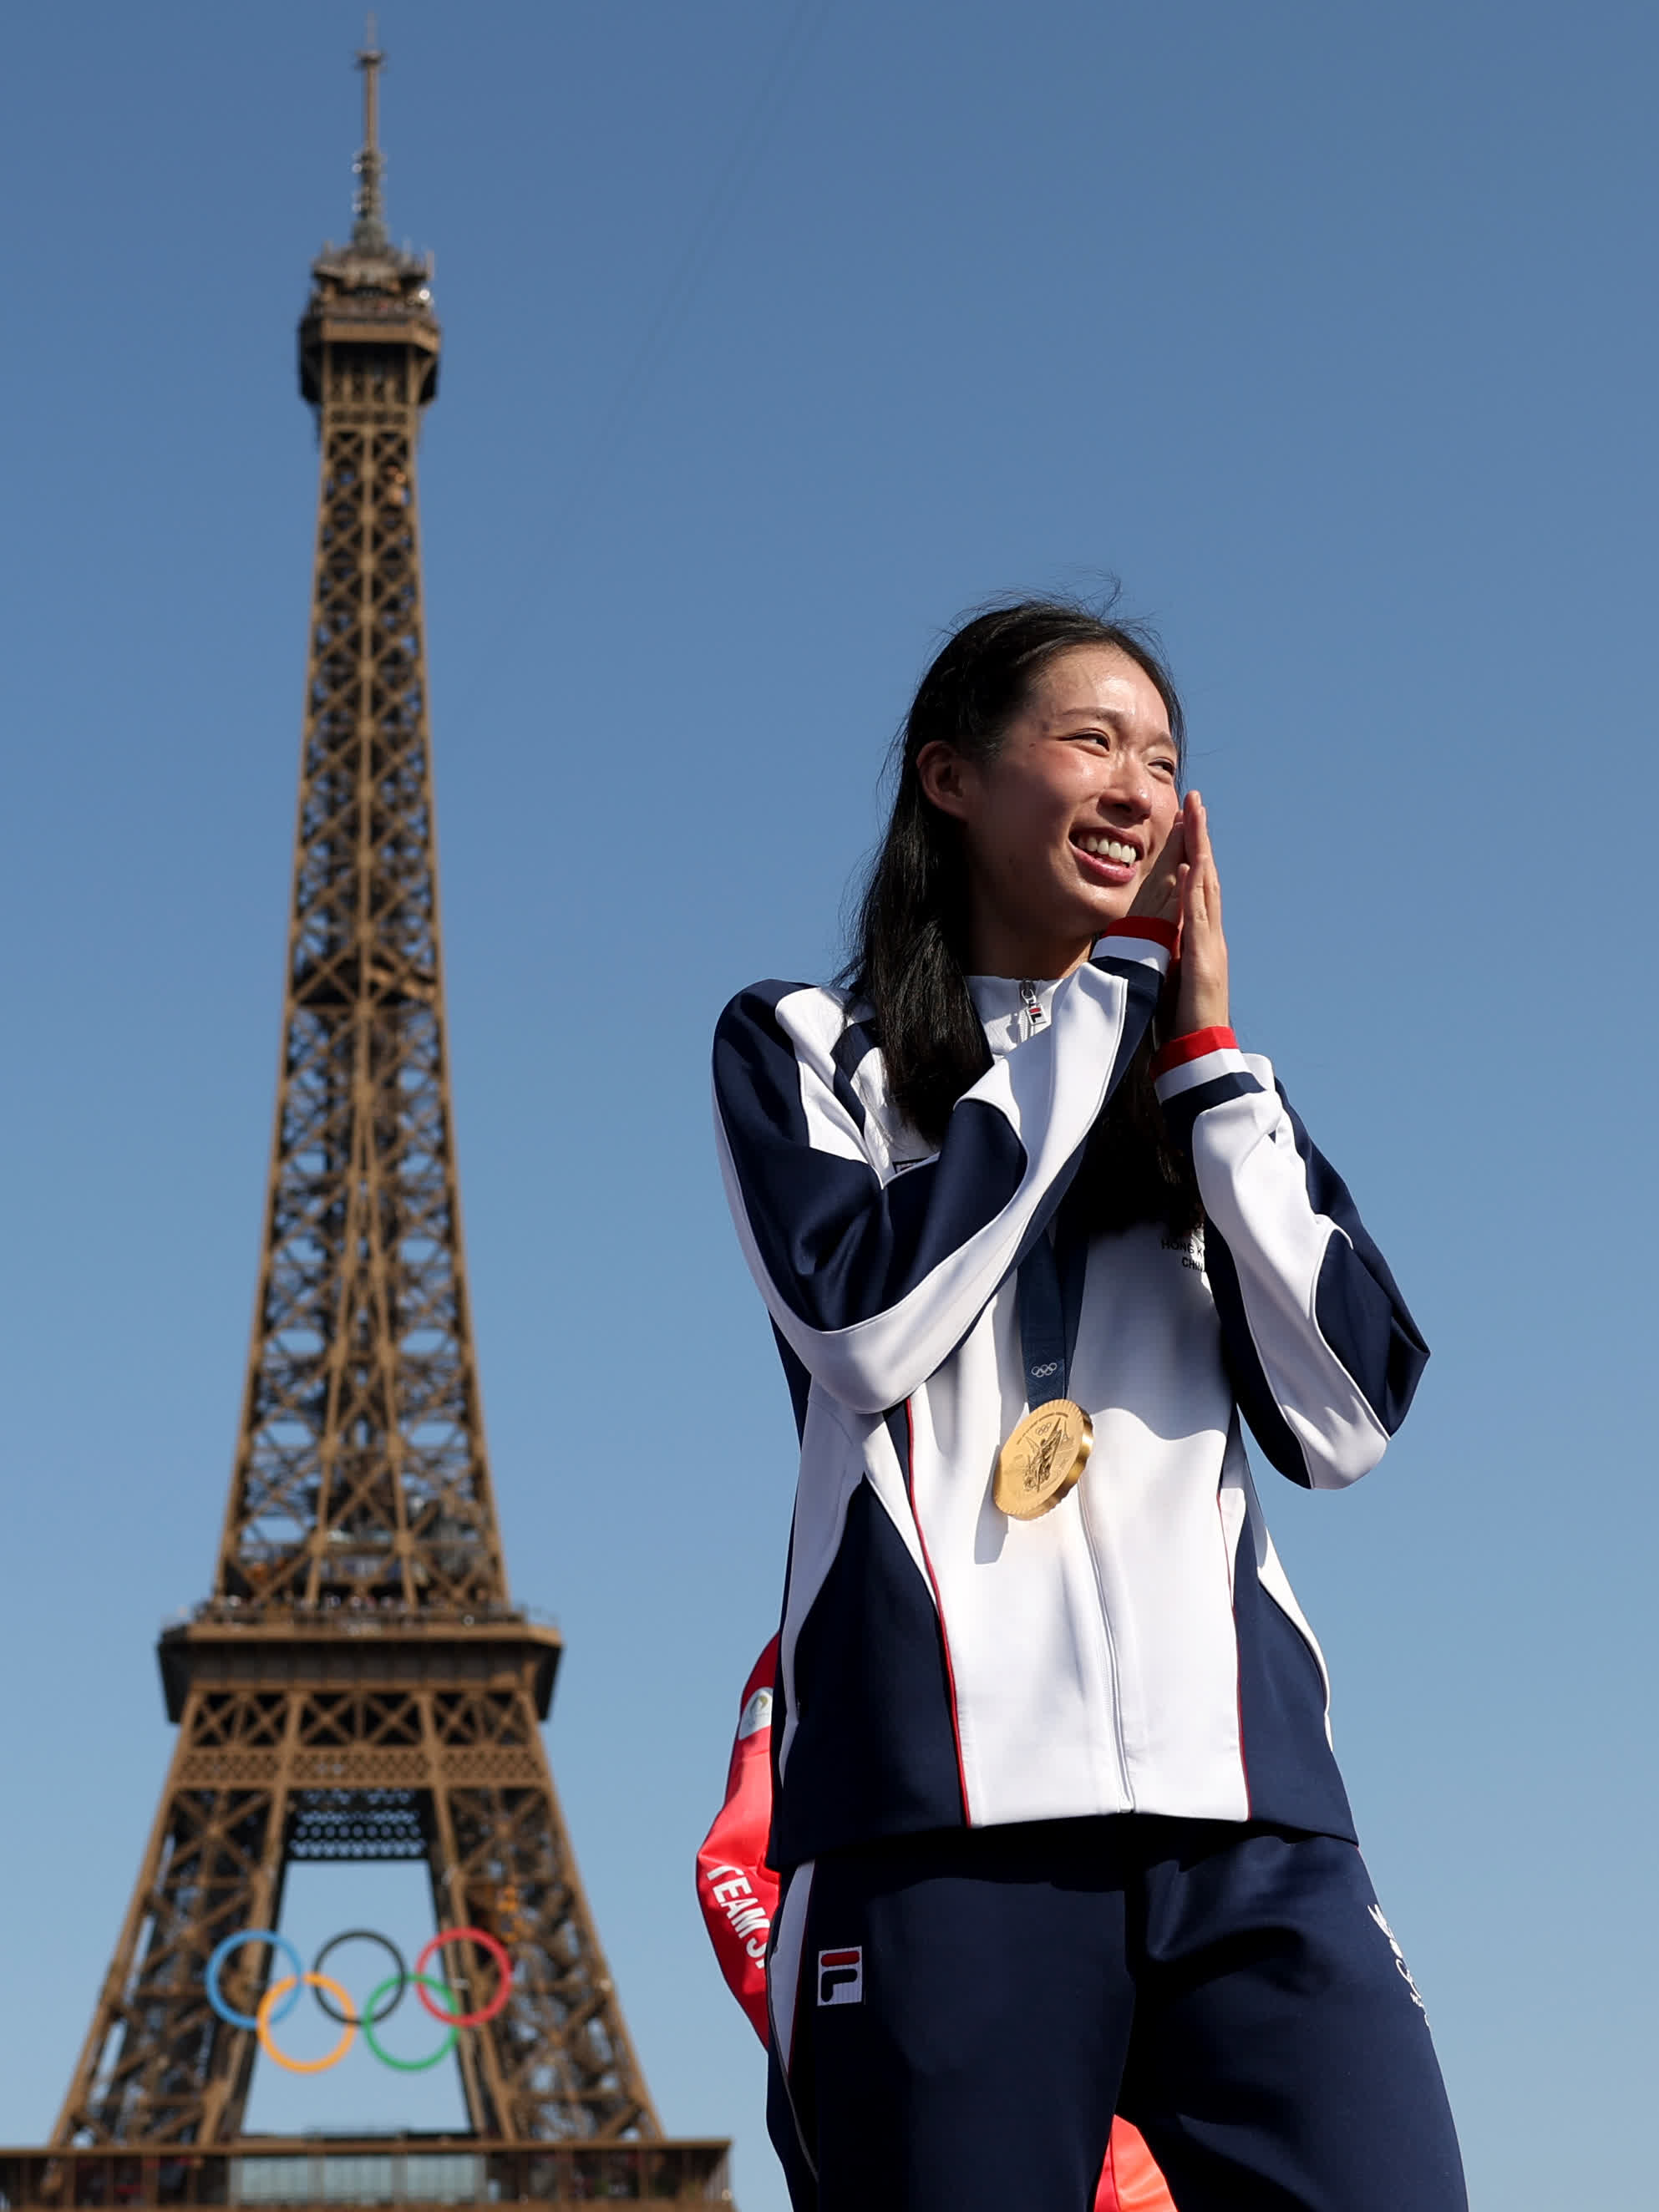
[360,1684]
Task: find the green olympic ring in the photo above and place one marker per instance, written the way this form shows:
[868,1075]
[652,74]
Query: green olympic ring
[409,2065]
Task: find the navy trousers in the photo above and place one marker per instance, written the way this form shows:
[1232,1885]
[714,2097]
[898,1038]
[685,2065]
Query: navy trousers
[957,2017]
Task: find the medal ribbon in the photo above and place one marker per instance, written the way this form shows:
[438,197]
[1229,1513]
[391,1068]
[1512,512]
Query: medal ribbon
[1050,1305]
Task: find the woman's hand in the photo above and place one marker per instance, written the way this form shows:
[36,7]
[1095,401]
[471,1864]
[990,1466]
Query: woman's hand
[1159,895]
[1200,980]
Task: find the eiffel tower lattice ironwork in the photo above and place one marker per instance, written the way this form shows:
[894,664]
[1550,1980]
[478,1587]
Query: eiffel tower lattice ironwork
[360,1686]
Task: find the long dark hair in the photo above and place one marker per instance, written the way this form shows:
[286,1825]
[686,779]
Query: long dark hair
[910,935]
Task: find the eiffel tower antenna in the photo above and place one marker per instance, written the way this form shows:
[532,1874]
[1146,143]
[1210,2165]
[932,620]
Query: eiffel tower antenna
[369,228]
[360,1684]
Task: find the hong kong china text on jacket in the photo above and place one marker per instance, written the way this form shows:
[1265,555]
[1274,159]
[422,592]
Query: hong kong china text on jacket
[1140,1647]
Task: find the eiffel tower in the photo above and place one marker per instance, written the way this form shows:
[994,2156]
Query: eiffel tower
[360,1684]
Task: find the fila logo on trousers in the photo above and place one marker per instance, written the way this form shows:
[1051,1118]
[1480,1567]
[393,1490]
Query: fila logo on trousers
[841,1976]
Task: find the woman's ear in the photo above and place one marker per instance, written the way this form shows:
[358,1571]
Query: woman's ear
[944,774]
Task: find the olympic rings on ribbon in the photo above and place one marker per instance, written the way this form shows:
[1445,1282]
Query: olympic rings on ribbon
[216,1998]
[281,1995]
[485,1942]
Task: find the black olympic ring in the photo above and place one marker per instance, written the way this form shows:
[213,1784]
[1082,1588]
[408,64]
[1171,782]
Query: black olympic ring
[362,1936]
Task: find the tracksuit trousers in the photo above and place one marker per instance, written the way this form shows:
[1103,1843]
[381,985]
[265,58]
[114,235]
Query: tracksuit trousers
[957,2017]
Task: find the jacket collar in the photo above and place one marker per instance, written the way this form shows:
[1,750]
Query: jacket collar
[1000,1006]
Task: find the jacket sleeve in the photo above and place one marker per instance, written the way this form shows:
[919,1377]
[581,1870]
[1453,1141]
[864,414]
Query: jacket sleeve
[874,1279]
[1323,1354]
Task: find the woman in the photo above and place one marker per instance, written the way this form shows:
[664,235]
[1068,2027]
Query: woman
[1060,1826]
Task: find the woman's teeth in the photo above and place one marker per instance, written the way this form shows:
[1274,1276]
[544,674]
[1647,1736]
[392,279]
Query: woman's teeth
[1109,849]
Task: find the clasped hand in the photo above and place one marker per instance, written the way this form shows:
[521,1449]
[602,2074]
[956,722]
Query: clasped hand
[1183,887]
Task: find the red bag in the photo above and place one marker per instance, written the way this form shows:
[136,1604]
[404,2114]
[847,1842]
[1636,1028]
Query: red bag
[1130,2180]
[736,1888]
[738,1894]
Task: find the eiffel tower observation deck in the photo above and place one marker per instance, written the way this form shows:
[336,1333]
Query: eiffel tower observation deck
[360,1684]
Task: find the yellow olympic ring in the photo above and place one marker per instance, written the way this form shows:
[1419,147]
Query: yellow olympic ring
[268,2042]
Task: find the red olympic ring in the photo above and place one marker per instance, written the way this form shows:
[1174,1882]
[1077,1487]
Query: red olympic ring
[485,1942]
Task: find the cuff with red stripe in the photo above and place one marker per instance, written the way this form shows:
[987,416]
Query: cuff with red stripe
[1139,939]
[1194,1072]
[1197,1044]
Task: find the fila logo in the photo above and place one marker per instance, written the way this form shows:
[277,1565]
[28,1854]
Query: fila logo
[841,1976]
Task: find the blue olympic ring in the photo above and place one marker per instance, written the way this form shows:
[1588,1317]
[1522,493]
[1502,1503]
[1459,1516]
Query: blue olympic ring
[216,1998]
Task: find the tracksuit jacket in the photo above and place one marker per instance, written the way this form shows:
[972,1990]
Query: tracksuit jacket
[1139,1647]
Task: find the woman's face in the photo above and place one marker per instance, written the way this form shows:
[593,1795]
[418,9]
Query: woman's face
[1062,825]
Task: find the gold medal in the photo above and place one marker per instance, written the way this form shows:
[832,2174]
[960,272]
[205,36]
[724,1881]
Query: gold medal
[1043,1459]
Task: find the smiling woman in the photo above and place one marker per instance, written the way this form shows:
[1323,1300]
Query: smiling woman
[1055,1796]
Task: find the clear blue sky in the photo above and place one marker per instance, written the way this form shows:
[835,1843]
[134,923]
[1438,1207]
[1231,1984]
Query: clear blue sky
[1332,331]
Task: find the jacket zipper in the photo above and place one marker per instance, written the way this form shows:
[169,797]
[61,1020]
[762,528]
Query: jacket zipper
[1031,1004]
[1111,1655]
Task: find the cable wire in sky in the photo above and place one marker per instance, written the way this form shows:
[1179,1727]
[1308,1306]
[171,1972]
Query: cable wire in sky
[680,293]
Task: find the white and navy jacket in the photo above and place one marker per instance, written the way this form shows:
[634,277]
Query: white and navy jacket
[1139,1647]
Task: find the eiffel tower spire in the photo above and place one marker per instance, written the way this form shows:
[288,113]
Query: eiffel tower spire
[360,1684]
[369,229]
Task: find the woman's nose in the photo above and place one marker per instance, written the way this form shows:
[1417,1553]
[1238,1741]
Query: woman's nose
[1128,784]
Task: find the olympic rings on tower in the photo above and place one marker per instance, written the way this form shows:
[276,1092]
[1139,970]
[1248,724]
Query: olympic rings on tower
[262,2022]
[280,1997]
[485,1942]
[400,1976]
[235,1943]
[409,2065]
